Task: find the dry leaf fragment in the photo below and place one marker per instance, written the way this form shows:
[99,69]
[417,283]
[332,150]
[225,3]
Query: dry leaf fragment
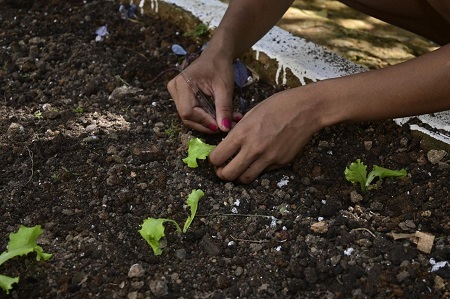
[423,240]
[320,227]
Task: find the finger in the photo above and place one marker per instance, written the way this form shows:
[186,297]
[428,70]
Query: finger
[224,107]
[224,151]
[237,116]
[201,121]
[191,115]
[235,167]
[255,170]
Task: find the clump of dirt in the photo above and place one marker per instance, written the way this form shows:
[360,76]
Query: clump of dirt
[90,162]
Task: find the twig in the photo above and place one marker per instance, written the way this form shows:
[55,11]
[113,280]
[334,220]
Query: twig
[250,241]
[30,153]
[136,52]
[123,81]
[239,215]
[365,229]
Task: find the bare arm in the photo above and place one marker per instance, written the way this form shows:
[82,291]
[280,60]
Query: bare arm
[244,23]
[272,133]
[419,86]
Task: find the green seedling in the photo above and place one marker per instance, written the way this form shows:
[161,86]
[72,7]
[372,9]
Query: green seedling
[21,243]
[153,228]
[199,30]
[173,130]
[197,150]
[357,173]
[37,114]
[78,110]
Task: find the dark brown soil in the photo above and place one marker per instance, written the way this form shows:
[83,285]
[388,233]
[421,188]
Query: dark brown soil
[90,166]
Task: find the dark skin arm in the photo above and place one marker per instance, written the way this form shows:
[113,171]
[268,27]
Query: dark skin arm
[244,23]
[272,133]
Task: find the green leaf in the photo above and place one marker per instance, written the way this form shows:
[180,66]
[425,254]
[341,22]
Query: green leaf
[6,282]
[382,173]
[192,202]
[197,150]
[357,173]
[21,243]
[24,242]
[153,230]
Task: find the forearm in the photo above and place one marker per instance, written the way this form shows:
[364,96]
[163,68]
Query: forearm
[419,86]
[244,23]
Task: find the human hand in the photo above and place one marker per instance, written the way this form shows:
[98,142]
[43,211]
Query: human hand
[268,136]
[213,76]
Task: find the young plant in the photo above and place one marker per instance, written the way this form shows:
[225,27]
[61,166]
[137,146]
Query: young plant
[21,243]
[38,115]
[197,150]
[78,110]
[199,31]
[357,173]
[153,228]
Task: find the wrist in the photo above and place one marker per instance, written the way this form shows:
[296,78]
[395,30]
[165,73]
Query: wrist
[220,46]
[323,111]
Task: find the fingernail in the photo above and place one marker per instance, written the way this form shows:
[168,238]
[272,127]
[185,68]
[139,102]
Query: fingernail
[212,127]
[226,123]
[237,118]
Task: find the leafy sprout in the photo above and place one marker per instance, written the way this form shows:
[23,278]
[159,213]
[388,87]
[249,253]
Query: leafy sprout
[153,229]
[21,243]
[197,150]
[199,30]
[357,173]
[79,110]
[37,114]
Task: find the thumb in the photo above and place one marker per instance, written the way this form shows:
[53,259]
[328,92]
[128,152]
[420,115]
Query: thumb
[224,109]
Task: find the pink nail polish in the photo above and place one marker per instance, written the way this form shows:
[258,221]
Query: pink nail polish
[226,123]
[212,127]
[237,118]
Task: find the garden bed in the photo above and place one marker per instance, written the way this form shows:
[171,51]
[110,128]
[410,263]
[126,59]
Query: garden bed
[89,166]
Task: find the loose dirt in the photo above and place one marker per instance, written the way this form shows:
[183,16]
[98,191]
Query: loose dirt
[90,163]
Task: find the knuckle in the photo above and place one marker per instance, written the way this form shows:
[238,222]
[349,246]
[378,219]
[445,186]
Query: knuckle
[258,149]
[226,175]
[185,114]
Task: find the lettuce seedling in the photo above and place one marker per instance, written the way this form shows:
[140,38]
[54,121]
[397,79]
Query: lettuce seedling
[21,243]
[357,173]
[192,202]
[197,150]
[153,228]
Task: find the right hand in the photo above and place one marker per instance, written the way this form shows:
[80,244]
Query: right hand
[213,75]
[269,135]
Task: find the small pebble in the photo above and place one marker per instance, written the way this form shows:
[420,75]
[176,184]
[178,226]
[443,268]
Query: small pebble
[159,288]
[355,197]
[436,156]
[136,270]
[320,227]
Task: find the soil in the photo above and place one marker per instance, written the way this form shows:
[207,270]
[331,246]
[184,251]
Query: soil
[89,164]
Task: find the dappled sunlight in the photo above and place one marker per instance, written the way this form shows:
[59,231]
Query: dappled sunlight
[73,125]
[354,24]
[91,123]
[396,52]
[346,31]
